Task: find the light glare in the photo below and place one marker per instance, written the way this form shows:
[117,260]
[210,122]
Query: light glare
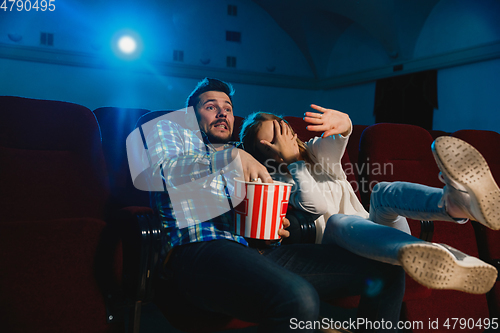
[127,44]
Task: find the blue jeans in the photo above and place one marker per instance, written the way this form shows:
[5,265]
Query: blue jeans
[390,203]
[280,288]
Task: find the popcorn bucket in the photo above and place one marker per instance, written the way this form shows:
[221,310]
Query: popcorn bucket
[261,211]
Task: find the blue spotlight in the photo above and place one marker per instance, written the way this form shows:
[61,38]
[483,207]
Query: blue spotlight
[127,45]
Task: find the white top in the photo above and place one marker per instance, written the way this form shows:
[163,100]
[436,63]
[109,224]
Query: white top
[323,188]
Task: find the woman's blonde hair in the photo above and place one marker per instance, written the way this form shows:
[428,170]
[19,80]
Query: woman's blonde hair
[251,126]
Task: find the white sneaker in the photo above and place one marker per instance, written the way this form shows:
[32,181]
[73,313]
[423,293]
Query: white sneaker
[439,266]
[469,182]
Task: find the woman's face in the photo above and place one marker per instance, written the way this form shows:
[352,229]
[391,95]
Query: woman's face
[266,132]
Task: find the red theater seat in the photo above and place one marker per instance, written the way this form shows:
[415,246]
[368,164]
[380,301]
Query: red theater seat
[407,150]
[353,147]
[59,232]
[116,124]
[488,241]
[438,133]
[56,259]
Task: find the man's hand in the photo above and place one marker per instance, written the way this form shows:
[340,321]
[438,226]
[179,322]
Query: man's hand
[282,232]
[328,121]
[285,143]
[252,169]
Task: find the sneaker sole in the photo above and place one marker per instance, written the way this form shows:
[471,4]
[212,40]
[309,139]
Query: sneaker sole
[436,268]
[465,165]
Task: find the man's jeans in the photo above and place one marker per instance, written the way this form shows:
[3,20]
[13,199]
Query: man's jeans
[280,288]
[390,203]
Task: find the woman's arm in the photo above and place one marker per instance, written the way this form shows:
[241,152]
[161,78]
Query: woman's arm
[330,147]
[306,194]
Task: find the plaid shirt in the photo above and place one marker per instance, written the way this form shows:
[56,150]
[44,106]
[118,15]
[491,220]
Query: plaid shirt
[191,166]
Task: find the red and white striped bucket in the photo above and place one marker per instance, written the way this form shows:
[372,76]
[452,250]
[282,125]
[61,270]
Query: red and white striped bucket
[261,211]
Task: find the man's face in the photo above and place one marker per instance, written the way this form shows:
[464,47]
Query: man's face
[214,112]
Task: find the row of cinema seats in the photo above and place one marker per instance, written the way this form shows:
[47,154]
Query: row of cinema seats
[397,152]
[79,242]
[383,152]
[78,245]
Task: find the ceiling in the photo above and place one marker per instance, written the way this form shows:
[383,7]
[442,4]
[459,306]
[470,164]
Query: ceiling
[316,25]
[332,43]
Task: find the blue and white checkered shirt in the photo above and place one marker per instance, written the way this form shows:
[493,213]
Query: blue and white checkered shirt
[191,166]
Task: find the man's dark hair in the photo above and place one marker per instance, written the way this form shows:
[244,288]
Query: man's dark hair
[209,84]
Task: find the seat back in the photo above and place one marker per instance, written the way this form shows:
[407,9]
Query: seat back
[116,124]
[51,161]
[395,152]
[151,116]
[398,152]
[437,133]
[236,129]
[392,152]
[488,144]
[54,191]
[353,147]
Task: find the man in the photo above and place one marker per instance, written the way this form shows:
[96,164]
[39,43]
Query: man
[278,287]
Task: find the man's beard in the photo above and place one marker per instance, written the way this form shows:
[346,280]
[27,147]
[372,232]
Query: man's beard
[217,139]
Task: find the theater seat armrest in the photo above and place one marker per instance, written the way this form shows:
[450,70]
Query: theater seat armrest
[426,230]
[496,264]
[140,232]
[302,227]
[134,210]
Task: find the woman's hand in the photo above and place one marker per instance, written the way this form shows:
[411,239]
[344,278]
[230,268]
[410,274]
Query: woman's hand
[284,143]
[328,121]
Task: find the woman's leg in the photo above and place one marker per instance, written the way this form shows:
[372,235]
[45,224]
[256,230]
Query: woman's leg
[390,201]
[470,191]
[436,266]
[366,238]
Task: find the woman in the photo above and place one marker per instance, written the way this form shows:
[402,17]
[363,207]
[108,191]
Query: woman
[320,187]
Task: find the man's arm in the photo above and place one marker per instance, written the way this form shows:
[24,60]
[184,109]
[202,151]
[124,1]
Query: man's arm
[183,157]
[252,169]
